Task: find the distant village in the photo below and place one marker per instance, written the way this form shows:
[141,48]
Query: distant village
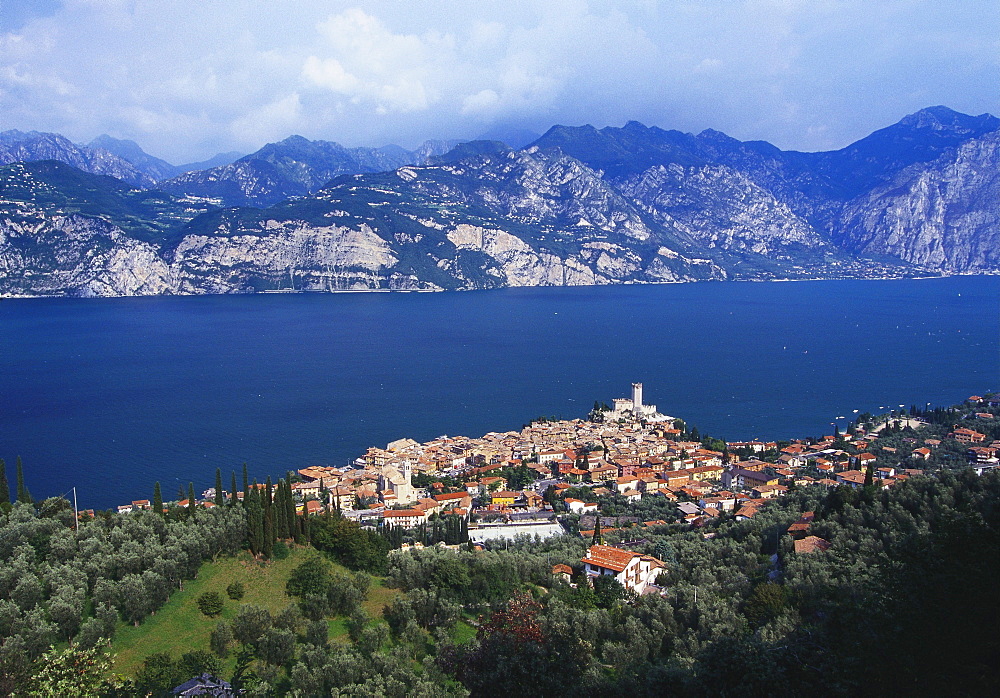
[534,481]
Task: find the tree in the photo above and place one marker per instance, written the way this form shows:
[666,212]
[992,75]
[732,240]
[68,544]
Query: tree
[158,673]
[71,672]
[232,495]
[191,500]
[210,603]
[311,577]
[23,495]
[157,499]
[870,474]
[246,485]
[196,663]
[4,487]
[597,531]
[250,624]
[255,520]
[219,498]
[235,591]
[132,598]
[221,638]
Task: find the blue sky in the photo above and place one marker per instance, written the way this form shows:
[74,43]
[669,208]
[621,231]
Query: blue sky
[188,79]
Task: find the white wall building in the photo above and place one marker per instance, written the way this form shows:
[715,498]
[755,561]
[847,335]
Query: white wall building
[632,570]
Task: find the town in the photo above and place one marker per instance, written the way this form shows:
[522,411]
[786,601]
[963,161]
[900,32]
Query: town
[554,477]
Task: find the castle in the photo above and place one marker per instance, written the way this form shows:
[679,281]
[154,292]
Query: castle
[634,409]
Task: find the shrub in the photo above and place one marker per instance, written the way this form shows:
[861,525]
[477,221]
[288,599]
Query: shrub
[210,603]
[235,591]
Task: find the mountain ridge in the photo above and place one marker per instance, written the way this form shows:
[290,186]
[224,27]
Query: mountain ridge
[579,205]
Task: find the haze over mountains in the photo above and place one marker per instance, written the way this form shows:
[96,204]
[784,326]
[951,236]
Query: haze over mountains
[578,205]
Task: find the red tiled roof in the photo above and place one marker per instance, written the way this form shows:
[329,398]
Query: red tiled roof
[811,544]
[608,557]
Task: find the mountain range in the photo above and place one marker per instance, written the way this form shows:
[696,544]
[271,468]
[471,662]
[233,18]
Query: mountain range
[578,205]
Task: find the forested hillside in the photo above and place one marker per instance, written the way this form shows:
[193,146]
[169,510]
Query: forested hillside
[903,601]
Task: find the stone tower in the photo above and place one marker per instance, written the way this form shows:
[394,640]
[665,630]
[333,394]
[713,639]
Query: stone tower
[637,399]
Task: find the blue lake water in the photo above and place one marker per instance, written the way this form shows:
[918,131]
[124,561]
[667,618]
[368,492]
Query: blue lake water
[111,395]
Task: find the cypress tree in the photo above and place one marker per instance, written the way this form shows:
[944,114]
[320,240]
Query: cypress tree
[191,503]
[181,494]
[23,495]
[232,496]
[268,501]
[245,484]
[255,521]
[597,531]
[290,510]
[219,499]
[268,538]
[4,487]
[280,520]
[157,499]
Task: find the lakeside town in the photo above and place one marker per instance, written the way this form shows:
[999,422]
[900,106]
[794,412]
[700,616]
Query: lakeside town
[555,477]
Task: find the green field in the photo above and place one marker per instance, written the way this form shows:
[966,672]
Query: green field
[180,626]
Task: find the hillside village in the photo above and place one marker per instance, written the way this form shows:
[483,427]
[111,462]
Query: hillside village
[610,468]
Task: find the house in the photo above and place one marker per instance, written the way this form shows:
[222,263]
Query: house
[811,544]
[851,478]
[454,499]
[800,529]
[578,506]
[967,436]
[341,498]
[563,572]
[741,477]
[205,685]
[405,518]
[634,571]
[689,508]
[626,483]
[863,459]
[504,498]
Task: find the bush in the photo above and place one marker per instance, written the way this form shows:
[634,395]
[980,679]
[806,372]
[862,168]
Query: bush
[235,591]
[210,603]
[279,551]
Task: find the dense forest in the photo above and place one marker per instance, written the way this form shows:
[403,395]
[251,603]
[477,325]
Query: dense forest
[903,601]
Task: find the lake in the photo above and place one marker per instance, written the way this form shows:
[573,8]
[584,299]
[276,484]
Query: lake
[111,395]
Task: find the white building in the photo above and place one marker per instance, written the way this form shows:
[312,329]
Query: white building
[627,409]
[632,570]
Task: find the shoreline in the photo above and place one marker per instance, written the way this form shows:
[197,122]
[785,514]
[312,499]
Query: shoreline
[916,277]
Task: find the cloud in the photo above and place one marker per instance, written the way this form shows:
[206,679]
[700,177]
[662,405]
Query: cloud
[187,78]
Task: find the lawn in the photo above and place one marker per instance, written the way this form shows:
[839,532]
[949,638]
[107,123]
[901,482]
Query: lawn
[180,626]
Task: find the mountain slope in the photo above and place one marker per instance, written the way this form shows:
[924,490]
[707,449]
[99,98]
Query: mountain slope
[293,167]
[943,217]
[17,146]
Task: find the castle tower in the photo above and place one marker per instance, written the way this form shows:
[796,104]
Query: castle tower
[637,399]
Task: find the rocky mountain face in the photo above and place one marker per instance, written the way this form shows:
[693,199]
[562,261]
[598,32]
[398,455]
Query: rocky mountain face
[156,168]
[578,206]
[944,218]
[293,167]
[17,146]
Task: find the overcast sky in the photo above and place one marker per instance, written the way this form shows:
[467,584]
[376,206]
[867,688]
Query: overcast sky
[186,79]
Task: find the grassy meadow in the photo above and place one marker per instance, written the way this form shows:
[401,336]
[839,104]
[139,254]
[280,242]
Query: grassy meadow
[181,627]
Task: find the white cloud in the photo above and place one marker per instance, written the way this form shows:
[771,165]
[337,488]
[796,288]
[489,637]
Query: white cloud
[184,78]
